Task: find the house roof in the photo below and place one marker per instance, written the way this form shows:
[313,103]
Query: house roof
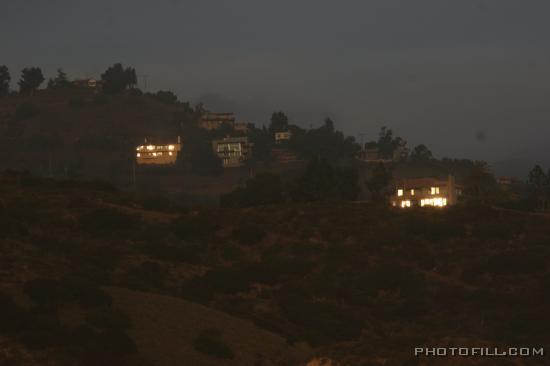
[421,183]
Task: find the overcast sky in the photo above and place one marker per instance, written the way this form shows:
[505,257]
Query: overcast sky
[469,78]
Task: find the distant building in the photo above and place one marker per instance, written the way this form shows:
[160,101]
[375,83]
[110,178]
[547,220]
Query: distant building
[213,121]
[233,151]
[162,154]
[283,156]
[422,192]
[88,83]
[243,127]
[282,136]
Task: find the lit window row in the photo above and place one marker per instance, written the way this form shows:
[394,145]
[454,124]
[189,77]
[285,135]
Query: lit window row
[400,192]
[436,202]
[405,204]
[435,190]
[154,154]
[157,147]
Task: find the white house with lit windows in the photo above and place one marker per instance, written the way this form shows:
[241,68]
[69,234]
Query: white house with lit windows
[425,192]
[154,154]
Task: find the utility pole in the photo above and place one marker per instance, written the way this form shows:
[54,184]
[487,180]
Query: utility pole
[362,139]
[144,78]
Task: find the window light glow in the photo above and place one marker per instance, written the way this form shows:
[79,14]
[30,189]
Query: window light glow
[412,192]
[399,192]
[435,190]
[405,204]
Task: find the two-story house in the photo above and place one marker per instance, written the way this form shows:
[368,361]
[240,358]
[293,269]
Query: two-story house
[425,192]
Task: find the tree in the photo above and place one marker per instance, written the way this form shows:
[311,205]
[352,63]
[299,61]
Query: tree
[378,182]
[480,184]
[166,97]
[31,78]
[539,184]
[317,184]
[389,145]
[279,122]
[421,153]
[60,81]
[117,79]
[5,79]
[263,189]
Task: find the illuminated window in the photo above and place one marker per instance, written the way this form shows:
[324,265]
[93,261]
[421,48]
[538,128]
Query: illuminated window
[150,147]
[412,192]
[435,190]
[399,192]
[170,153]
[171,147]
[405,204]
[138,155]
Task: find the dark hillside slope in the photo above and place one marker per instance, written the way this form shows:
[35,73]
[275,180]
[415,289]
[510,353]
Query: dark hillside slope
[358,283]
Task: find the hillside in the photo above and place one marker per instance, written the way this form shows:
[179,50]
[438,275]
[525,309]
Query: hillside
[358,283]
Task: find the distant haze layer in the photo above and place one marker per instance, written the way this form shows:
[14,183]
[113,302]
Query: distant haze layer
[467,78]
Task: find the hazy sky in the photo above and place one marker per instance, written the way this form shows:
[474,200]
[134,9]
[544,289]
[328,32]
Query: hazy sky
[441,72]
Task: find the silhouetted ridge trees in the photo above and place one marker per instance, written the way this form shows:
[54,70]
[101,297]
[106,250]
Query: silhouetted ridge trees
[325,142]
[31,79]
[320,182]
[117,79]
[5,79]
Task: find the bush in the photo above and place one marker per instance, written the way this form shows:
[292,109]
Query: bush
[76,102]
[25,111]
[200,226]
[178,252]
[147,275]
[211,343]
[105,220]
[43,291]
[248,233]
[108,318]
[85,293]
[12,318]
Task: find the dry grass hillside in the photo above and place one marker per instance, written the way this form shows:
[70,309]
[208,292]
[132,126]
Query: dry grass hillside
[89,275]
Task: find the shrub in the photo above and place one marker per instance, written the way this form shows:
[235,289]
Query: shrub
[248,233]
[211,343]
[85,293]
[25,111]
[76,102]
[178,252]
[147,275]
[200,226]
[12,318]
[512,263]
[43,291]
[105,220]
[108,318]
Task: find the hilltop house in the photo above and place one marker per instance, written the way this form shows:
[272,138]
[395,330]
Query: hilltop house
[212,121]
[163,154]
[233,151]
[422,192]
[282,136]
[88,83]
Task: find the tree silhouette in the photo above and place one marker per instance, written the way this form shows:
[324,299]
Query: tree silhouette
[5,79]
[117,79]
[279,122]
[378,182]
[539,184]
[31,78]
[421,153]
[60,81]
